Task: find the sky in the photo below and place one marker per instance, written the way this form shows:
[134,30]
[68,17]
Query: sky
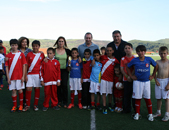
[49,19]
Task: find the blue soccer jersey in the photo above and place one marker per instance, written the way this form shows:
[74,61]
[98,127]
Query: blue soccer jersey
[142,68]
[75,71]
[96,72]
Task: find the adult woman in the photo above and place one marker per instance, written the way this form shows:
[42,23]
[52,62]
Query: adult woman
[62,54]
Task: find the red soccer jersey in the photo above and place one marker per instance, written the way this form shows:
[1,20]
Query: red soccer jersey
[117,93]
[18,67]
[36,64]
[50,71]
[87,68]
[124,61]
[108,68]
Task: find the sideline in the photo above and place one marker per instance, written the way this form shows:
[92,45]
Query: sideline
[92,124]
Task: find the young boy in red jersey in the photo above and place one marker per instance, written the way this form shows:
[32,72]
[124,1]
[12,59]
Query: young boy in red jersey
[108,62]
[50,78]
[15,71]
[34,61]
[86,98]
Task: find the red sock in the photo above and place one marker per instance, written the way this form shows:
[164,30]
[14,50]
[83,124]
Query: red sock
[79,97]
[92,103]
[14,98]
[137,105]
[21,98]
[98,104]
[37,95]
[72,98]
[28,97]
[149,105]
[120,104]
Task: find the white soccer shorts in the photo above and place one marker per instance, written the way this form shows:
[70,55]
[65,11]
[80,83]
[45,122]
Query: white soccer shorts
[75,84]
[33,81]
[94,87]
[106,87]
[16,85]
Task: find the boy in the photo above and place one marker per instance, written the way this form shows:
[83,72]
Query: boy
[74,67]
[15,71]
[95,79]
[127,81]
[86,98]
[34,60]
[162,85]
[141,83]
[50,79]
[1,63]
[103,50]
[108,62]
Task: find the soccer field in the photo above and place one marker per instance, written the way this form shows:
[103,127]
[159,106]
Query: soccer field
[74,119]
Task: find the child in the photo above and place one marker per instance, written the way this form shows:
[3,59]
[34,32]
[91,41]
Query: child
[141,83]
[50,78]
[75,77]
[15,71]
[1,63]
[86,98]
[127,81]
[95,79]
[103,50]
[108,63]
[162,85]
[34,60]
[118,91]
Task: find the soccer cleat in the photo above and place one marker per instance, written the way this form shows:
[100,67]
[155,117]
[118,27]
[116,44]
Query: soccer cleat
[20,109]
[119,110]
[2,85]
[59,104]
[89,108]
[136,116]
[36,108]
[26,108]
[84,107]
[98,108]
[116,109]
[45,108]
[111,109]
[56,108]
[70,106]
[150,117]
[92,107]
[0,88]
[104,111]
[165,118]
[156,114]
[13,109]
[80,106]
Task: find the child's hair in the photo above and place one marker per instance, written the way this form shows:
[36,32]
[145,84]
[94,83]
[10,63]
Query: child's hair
[1,41]
[128,44]
[20,41]
[163,48]
[36,42]
[87,50]
[1,48]
[13,41]
[51,49]
[103,48]
[109,46]
[140,48]
[96,51]
[117,66]
[74,49]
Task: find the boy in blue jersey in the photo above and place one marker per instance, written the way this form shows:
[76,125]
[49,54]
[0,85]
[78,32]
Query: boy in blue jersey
[74,67]
[95,78]
[141,80]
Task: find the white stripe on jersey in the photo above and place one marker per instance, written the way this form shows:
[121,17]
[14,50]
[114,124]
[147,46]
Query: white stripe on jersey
[34,62]
[107,65]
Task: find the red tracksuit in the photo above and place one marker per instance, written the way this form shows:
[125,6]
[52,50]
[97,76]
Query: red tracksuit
[50,74]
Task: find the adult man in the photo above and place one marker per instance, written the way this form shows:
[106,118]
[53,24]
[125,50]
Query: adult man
[118,45]
[88,44]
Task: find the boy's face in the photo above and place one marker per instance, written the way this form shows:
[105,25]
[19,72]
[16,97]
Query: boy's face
[2,51]
[128,49]
[74,54]
[96,56]
[87,55]
[163,54]
[35,48]
[141,53]
[109,51]
[103,51]
[117,71]
[24,43]
[14,47]
[50,54]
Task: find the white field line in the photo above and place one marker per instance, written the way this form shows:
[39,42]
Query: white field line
[93,123]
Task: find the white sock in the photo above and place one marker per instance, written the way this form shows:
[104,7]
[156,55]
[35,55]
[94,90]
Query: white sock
[159,111]
[167,113]
[150,114]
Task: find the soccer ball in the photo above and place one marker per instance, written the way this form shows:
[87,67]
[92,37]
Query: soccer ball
[119,85]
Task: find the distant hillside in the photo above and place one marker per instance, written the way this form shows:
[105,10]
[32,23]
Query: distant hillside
[150,45]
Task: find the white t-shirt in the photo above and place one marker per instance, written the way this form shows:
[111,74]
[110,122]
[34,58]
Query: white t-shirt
[2,58]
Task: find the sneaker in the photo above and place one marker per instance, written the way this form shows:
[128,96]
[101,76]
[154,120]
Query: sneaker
[36,108]
[92,107]
[20,109]
[59,104]
[165,118]
[116,109]
[89,108]
[26,108]
[104,111]
[2,85]
[56,108]
[98,108]
[156,114]
[45,108]
[150,117]
[136,116]
[70,106]
[13,109]
[119,110]
[84,107]
[111,109]
[80,106]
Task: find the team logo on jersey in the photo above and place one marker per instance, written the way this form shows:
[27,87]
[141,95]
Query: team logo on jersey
[30,57]
[77,64]
[20,57]
[99,65]
[40,58]
[147,65]
[55,63]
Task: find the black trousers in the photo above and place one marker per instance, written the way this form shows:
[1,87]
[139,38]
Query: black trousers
[1,74]
[127,100]
[62,90]
[86,98]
